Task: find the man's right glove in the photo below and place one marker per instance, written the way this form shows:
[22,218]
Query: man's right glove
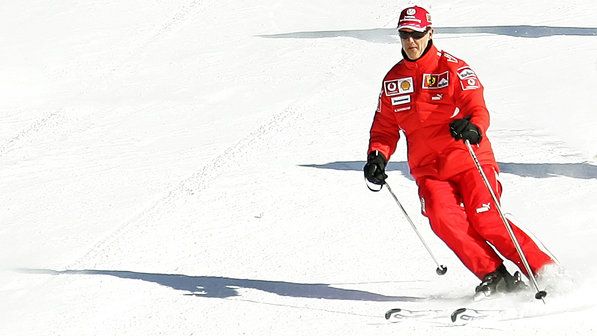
[375,168]
[463,129]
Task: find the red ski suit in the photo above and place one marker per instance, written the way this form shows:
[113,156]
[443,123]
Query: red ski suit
[421,98]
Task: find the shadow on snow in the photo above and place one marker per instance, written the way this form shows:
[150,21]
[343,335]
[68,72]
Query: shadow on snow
[222,287]
[388,35]
[538,170]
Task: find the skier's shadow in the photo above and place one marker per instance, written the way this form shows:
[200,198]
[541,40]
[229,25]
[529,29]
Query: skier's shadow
[223,287]
[582,170]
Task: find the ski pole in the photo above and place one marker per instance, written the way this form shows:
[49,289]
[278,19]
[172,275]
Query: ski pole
[540,293]
[441,269]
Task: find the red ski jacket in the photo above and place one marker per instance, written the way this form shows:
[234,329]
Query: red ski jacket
[421,98]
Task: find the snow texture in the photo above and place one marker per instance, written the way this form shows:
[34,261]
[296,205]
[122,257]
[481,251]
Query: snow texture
[194,167]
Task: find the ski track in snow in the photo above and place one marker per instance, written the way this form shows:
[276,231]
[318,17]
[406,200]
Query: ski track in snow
[189,186]
[196,183]
[232,156]
[51,120]
[56,122]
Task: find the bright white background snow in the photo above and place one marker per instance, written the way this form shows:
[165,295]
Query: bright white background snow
[194,167]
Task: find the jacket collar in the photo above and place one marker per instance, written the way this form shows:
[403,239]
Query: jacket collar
[429,55]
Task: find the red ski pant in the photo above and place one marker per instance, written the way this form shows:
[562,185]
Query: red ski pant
[462,213]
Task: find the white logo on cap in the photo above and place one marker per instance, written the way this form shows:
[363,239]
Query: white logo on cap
[411,11]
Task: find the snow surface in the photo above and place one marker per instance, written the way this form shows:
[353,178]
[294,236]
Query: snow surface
[194,167]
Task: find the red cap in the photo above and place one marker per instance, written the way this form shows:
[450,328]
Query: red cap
[415,18]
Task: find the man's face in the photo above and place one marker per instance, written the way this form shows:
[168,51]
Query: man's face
[412,46]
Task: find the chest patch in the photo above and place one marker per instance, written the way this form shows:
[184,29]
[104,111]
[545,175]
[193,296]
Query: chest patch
[400,100]
[435,81]
[398,86]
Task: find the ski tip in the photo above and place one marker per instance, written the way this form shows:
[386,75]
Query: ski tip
[392,311]
[457,312]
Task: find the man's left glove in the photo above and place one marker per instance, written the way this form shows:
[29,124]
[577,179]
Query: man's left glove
[375,169]
[463,129]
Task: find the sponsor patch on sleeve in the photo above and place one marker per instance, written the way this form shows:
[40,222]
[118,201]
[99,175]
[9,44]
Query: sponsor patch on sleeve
[468,78]
[466,72]
[398,86]
[470,83]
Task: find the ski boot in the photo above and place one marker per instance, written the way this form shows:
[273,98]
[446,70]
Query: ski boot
[499,281]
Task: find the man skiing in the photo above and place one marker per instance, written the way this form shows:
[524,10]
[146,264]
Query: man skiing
[437,101]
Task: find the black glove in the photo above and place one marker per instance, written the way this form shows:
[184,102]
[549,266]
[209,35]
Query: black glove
[463,129]
[375,168]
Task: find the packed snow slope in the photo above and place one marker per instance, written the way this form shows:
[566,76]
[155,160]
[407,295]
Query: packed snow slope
[194,167]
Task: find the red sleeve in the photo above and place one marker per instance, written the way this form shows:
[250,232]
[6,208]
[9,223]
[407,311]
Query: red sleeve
[384,130]
[469,96]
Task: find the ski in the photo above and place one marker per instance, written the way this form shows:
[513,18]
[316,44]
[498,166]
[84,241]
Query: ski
[402,314]
[469,314]
[460,315]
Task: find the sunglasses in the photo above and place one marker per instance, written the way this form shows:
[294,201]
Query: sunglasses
[414,34]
